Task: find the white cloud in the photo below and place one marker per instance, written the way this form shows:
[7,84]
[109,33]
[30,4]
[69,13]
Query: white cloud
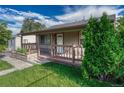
[80,12]
[15,18]
[15,30]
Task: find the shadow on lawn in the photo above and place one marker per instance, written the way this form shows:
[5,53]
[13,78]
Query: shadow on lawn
[74,74]
[38,80]
[69,73]
[62,71]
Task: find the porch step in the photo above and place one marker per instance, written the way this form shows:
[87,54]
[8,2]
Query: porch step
[33,62]
[40,61]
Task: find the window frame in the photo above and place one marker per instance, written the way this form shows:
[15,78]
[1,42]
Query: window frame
[44,39]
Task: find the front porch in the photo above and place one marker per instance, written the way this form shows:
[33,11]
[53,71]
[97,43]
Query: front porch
[62,47]
[71,55]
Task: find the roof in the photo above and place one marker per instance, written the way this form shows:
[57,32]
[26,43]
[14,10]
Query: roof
[67,26]
[83,22]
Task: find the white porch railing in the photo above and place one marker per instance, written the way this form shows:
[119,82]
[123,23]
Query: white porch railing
[63,51]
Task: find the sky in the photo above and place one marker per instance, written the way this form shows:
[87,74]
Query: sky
[52,14]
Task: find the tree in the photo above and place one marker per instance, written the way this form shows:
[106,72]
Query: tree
[5,35]
[120,28]
[103,53]
[38,26]
[30,25]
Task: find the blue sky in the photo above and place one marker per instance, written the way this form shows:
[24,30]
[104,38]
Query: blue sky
[52,15]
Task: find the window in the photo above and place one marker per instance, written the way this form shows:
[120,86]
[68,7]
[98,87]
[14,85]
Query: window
[25,41]
[45,39]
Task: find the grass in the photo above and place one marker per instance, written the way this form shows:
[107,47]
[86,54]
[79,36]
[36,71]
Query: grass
[4,65]
[48,75]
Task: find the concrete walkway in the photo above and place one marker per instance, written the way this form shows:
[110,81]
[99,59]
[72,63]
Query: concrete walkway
[17,65]
[4,72]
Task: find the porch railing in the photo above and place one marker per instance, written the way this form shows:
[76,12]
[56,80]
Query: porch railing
[68,51]
[64,51]
[31,47]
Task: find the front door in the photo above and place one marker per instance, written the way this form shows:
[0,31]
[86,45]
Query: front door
[59,40]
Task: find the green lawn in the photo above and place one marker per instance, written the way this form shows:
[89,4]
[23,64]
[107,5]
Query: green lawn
[4,65]
[49,75]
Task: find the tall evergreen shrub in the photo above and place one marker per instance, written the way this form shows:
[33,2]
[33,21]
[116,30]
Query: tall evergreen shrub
[103,53]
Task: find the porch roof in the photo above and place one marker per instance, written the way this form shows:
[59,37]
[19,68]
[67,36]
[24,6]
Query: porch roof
[64,27]
[58,28]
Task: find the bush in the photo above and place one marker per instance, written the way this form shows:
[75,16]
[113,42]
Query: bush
[22,50]
[2,48]
[103,54]
[119,75]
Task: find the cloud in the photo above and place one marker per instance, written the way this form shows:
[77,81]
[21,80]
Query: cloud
[84,12]
[48,21]
[15,18]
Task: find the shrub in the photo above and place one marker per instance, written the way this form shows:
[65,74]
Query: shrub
[21,50]
[103,53]
[119,74]
[2,48]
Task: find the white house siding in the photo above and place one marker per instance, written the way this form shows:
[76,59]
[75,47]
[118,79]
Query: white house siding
[14,43]
[11,45]
[17,42]
[29,39]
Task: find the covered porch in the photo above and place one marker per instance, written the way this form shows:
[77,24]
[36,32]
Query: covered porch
[63,45]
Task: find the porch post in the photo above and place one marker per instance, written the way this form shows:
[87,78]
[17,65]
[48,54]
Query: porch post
[73,53]
[21,41]
[37,45]
[52,44]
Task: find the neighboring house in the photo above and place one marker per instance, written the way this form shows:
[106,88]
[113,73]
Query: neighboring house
[15,42]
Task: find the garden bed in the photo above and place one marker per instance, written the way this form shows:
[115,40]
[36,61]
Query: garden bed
[24,57]
[19,56]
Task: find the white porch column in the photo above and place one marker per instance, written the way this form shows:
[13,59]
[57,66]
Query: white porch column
[52,44]
[38,45]
[21,41]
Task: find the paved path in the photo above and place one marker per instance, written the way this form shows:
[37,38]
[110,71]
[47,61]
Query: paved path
[4,72]
[17,65]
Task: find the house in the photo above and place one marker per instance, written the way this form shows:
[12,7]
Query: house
[59,42]
[29,39]
[15,42]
